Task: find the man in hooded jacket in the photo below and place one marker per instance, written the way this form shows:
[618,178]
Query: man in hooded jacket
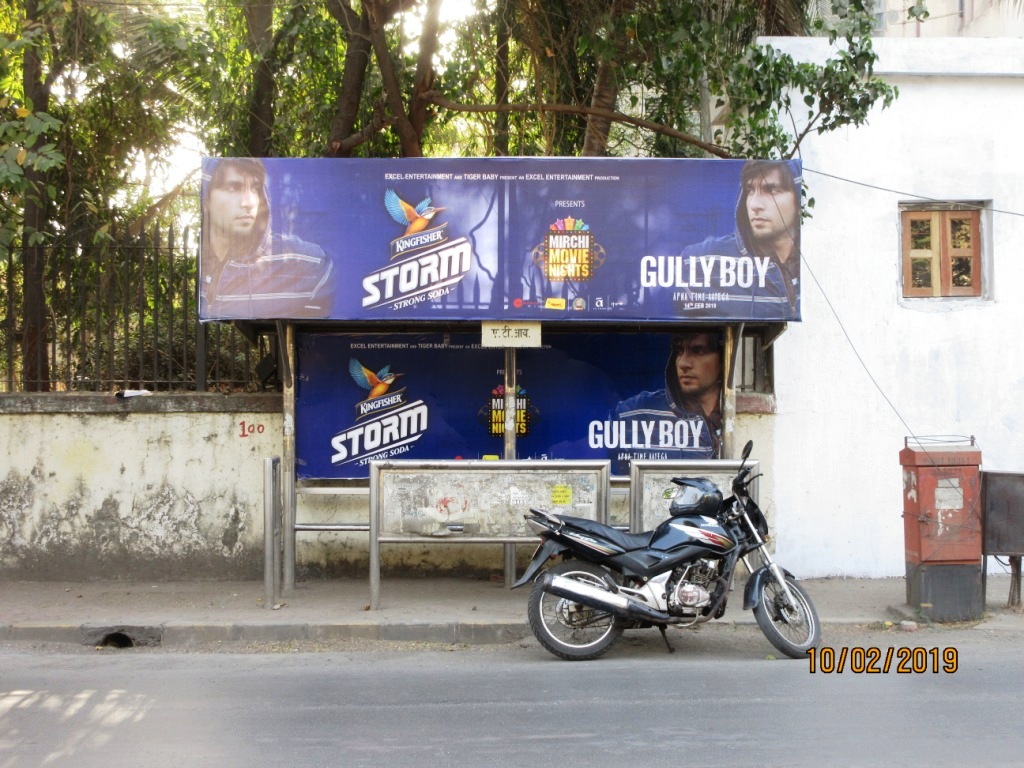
[768,232]
[683,420]
[248,272]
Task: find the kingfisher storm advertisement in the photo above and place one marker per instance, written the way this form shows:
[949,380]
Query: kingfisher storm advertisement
[549,239]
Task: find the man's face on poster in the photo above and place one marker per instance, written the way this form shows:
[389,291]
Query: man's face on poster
[698,364]
[772,207]
[234,204]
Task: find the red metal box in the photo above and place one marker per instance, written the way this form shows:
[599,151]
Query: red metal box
[941,504]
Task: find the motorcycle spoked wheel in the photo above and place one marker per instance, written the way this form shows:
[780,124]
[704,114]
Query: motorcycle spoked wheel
[570,630]
[792,631]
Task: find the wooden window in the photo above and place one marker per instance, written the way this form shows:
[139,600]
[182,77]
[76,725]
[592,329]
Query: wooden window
[941,253]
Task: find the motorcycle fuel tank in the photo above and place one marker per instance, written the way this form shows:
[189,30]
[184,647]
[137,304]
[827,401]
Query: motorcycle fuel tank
[692,529]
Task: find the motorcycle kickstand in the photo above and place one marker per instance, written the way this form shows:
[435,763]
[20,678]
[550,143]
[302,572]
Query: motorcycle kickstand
[664,636]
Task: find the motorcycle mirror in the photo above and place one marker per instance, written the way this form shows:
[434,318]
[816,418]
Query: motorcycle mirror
[747,449]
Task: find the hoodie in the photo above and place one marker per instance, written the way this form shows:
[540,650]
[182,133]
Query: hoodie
[279,277]
[774,293]
[652,425]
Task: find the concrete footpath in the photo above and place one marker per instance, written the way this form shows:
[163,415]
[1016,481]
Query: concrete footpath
[445,610]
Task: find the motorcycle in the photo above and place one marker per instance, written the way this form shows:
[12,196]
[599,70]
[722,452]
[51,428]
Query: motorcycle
[679,574]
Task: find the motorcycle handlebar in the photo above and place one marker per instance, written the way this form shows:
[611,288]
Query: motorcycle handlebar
[739,482]
[739,485]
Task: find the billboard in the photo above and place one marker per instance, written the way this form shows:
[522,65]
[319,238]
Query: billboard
[549,239]
[440,396]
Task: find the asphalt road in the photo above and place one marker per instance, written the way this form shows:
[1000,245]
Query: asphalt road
[723,699]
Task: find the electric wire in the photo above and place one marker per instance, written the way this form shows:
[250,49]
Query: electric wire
[936,200]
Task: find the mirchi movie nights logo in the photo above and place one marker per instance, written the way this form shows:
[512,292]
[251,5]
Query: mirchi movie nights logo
[424,263]
[492,415]
[386,422]
[569,252]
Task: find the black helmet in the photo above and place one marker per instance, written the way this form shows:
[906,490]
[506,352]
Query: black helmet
[695,496]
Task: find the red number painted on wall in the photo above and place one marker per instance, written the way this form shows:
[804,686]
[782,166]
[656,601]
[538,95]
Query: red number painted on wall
[248,429]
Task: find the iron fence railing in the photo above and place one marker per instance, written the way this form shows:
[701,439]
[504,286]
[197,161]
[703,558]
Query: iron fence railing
[122,315]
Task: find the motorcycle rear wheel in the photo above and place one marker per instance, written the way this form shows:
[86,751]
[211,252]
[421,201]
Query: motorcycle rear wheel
[571,630]
[794,631]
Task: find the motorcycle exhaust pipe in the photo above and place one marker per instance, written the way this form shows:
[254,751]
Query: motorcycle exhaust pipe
[619,604]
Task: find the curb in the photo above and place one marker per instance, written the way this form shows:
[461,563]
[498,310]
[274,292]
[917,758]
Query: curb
[184,635]
[171,635]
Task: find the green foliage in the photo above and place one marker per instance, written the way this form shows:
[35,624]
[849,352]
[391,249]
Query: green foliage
[78,115]
[307,80]
[212,62]
[24,145]
[919,11]
[105,115]
[765,87]
[20,133]
[668,58]
[117,85]
[670,51]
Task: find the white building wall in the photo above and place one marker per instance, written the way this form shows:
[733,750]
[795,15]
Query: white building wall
[950,18]
[867,368]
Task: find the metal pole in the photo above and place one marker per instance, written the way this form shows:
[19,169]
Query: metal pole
[733,334]
[374,538]
[510,404]
[510,448]
[202,339]
[271,532]
[288,468]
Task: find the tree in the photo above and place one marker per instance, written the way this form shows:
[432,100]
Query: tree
[549,77]
[552,77]
[647,65]
[85,114]
[28,157]
[90,90]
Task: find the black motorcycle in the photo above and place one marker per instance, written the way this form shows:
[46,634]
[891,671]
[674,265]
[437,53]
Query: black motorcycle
[680,573]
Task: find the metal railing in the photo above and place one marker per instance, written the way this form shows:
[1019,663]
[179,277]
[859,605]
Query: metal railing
[121,315]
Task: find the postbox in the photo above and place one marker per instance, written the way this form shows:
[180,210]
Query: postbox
[942,530]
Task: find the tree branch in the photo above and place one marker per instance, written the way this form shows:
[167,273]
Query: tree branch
[343,147]
[609,114]
[358,53]
[409,140]
[424,79]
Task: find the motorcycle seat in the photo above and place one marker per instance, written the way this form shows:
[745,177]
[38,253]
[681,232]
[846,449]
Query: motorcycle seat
[627,541]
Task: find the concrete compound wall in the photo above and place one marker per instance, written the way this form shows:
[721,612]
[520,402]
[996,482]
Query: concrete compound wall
[160,487]
[170,487]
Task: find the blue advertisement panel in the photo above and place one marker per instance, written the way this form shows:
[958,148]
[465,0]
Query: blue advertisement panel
[441,396]
[551,239]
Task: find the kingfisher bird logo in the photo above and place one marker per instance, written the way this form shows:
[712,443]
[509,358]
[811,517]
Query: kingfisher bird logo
[424,264]
[376,384]
[569,252]
[386,422]
[415,219]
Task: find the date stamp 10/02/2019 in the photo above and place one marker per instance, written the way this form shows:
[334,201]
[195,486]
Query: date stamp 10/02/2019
[870,660]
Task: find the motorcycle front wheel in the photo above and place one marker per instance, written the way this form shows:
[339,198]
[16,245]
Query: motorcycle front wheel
[571,630]
[794,630]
